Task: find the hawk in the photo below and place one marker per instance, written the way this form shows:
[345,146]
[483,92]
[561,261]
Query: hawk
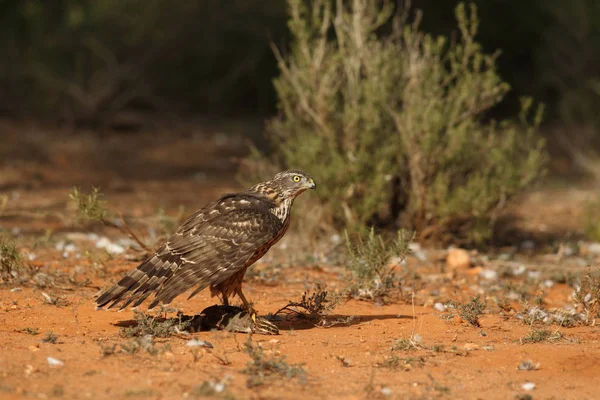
[215,246]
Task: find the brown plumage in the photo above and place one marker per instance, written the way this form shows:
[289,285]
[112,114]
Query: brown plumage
[215,246]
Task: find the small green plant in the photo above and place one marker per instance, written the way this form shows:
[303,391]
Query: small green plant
[369,257]
[591,220]
[405,344]
[108,349]
[50,338]
[91,208]
[57,391]
[130,347]
[437,386]
[586,297]
[142,343]
[541,335]
[154,326]
[262,366]
[469,312]
[11,261]
[395,362]
[142,393]
[32,331]
[527,365]
[313,306]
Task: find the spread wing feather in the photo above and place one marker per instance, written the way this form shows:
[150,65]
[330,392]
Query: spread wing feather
[210,246]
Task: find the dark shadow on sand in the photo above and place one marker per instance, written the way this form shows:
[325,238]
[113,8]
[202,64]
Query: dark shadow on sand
[283,322]
[298,323]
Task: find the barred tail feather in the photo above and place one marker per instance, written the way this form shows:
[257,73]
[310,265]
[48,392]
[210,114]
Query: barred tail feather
[138,284]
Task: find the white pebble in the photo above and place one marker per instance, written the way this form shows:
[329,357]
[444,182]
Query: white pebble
[70,248]
[548,283]
[488,274]
[440,307]
[53,362]
[535,275]
[110,247]
[415,249]
[519,270]
[335,238]
[199,343]
[593,248]
[528,245]
[528,386]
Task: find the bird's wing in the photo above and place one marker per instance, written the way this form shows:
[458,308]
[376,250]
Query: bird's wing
[209,247]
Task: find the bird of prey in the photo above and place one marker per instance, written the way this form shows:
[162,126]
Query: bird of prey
[215,246]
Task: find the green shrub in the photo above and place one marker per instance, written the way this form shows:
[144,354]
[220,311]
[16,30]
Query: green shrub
[391,121]
[85,61]
[369,262]
[11,261]
[591,220]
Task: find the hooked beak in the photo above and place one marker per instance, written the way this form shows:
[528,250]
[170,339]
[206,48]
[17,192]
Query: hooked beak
[311,184]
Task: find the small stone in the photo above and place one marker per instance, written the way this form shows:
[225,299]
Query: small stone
[528,386]
[199,343]
[505,256]
[590,248]
[41,280]
[458,259]
[488,274]
[335,239]
[548,283]
[519,270]
[569,251]
[110,247]
[534,275]
[415,249]
[528,245]
[527,366]
[471,346]
[386,391]
[440,307]
[54,362]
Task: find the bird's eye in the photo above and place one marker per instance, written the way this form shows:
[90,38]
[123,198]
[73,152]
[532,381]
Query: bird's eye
[296,178]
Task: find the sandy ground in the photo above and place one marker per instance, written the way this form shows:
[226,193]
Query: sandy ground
[352,360]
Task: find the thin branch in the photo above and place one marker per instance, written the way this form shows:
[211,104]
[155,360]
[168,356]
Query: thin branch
[127,230]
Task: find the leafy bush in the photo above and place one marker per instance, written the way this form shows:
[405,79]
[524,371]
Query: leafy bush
[262,366]
[85,61]
[469,312]
[391,121]
[372,273]
[591,220]
[11,261]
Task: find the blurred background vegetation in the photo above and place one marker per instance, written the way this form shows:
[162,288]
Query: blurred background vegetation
[82,59]
[106,63]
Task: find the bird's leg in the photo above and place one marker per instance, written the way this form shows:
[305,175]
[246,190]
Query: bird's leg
[225,299]
[248,306]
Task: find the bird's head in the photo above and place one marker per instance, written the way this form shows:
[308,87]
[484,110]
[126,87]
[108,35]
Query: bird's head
[293,182]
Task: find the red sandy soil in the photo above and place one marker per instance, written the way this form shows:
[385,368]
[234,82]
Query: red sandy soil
[452,359]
